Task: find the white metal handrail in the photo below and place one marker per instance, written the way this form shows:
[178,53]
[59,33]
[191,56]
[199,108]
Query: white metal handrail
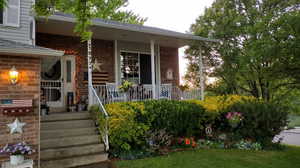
[97,101]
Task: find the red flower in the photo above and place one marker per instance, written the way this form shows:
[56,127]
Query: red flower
[187,141]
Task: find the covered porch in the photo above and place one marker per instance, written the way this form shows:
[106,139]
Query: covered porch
[146,56]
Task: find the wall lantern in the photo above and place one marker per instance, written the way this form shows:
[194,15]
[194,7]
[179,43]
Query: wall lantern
[13,75]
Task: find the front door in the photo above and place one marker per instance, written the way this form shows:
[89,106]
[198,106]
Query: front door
[68,71]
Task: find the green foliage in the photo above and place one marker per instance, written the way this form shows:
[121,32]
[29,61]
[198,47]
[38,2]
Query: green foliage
[130,122]
[125,132]
[126,85]
[158,140]
[259,50]
[262,121]
[86,10]
[149,126]
[2,3]
[247,145]
[179,118]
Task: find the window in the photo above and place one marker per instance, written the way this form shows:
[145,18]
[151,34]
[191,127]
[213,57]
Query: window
[130,67]
[10,16]
[69,71]
[1,16]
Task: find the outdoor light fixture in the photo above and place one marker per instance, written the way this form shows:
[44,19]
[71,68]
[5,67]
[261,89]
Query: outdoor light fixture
[13,75]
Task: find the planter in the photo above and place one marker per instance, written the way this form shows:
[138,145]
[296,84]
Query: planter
[16,159]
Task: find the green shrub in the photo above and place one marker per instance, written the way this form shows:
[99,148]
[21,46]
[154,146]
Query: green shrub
[125,132]
[178,118]
[261,120]
[129,122]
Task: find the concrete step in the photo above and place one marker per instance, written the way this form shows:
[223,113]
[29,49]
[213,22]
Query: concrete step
[61,133]
[59,153]
[69,141]
[75,161]
[72,124]
[107,164]
[66,116]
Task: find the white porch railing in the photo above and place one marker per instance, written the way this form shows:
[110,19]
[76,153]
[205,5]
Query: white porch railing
[108,94]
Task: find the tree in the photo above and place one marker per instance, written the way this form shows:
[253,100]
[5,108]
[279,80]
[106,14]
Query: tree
[85,10]
[259,51]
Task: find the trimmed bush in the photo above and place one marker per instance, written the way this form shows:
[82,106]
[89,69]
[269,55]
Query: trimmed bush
[125,132]
[179,118]
[261,122]
[129,122]
[216,104]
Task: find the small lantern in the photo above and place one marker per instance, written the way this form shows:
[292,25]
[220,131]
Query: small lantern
[13,75]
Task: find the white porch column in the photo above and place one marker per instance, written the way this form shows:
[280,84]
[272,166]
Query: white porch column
[201,73]
[90,72]
[153,69]
[116,63]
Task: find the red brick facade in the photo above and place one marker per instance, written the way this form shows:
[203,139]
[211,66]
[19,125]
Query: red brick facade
[102,50]
[169,60]
[28,87]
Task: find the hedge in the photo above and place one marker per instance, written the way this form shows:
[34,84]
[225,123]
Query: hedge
[130,122]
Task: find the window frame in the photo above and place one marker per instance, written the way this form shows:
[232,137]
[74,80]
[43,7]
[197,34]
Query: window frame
[5,14]
[139,61]
[2,11]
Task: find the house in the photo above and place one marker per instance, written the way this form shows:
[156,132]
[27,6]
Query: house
[51,61]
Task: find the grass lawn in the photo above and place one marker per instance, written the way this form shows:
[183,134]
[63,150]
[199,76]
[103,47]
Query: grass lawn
[215,158]
[295,121]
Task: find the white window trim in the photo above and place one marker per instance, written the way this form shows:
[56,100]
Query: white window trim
[5,15]
[139,61]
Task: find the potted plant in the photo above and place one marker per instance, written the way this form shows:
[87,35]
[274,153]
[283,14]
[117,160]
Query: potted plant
[125,87]
[234,118]
[17,152]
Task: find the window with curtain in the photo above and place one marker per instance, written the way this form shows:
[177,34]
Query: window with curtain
[130,67]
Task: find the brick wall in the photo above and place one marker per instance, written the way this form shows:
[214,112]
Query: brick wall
[169,60]
[102,50]
[28,87]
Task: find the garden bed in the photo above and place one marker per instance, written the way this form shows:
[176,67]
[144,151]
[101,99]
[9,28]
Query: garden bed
[218,158]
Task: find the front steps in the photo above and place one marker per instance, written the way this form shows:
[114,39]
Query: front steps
[70,140]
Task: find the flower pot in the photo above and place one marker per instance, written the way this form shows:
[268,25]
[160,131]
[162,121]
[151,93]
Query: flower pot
[16,159]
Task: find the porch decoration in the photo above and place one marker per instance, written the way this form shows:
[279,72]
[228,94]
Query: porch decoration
[13,75]
[16,107]
[17,152]
[170,74]
[97,65]
[16,126]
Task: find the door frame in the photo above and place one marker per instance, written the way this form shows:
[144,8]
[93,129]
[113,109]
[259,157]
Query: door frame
[68,86]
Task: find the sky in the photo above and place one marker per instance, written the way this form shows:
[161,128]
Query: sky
[176,15]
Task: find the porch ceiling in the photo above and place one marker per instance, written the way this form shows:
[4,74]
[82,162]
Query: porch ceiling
[63,24]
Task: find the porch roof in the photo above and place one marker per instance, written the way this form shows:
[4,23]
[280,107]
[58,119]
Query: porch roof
[63,24]
[16,48]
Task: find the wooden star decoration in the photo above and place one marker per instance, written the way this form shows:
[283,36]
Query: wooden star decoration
[16,126]
[96,65]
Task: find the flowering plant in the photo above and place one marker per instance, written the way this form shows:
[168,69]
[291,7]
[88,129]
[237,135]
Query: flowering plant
[17,149]
[187,142]
[126,85]
[234,118]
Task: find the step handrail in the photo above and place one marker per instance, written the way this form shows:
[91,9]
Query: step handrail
[102,109]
